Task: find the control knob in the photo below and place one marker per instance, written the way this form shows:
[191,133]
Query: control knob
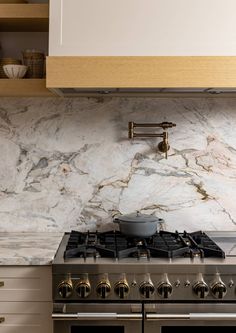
[164,289]
[65,288]
[201,289]
[147,289]
[122,288]
[219,289]
[103,288]
[83,288]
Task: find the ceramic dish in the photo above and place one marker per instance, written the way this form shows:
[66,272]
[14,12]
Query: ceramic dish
[15,71]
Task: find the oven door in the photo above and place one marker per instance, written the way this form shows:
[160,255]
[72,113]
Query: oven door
[204,318]
[97,318]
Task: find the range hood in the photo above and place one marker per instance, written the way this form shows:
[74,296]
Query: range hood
[142,48]
[142,76]
[145,92]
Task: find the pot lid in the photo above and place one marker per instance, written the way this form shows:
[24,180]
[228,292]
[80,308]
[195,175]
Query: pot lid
[137,218]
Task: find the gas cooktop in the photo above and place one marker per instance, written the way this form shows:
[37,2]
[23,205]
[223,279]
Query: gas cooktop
[163,244]
[176,266]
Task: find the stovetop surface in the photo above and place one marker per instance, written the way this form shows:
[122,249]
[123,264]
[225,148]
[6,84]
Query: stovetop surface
[180,261]
[163,244]
[226,240]
[74,249]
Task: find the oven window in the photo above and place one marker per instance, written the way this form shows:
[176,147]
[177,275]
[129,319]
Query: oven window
[97,329]
[197,329]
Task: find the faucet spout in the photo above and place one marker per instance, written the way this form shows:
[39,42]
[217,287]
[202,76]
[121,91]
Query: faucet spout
[164,146]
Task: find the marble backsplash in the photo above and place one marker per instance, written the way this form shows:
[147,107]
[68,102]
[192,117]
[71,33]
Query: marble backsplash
[67,163]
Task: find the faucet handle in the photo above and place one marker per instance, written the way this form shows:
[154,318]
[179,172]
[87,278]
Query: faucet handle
[167,124]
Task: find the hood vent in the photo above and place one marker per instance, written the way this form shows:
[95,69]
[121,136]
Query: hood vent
[145,92]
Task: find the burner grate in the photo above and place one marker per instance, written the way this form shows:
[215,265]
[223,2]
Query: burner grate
[207,245]
[113,244]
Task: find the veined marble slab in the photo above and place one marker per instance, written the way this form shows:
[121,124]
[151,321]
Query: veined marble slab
[28,248]
[68,163]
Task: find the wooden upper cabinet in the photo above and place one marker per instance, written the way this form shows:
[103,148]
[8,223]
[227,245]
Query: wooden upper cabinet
[24,17]
[142,28]
[141,44]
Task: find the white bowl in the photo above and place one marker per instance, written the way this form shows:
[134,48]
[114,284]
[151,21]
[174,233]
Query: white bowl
[15,71]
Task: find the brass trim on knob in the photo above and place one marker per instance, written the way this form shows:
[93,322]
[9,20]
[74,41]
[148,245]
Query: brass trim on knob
[66,283]
[147,289]
[218,287]
[219,290]
[122,288]
[103,293]
[164,289]
[201,289]
[87,288]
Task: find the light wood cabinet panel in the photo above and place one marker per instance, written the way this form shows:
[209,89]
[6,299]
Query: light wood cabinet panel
[24,17]
[24,88]
[153,72]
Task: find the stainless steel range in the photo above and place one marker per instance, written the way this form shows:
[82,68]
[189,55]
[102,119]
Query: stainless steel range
[106,281]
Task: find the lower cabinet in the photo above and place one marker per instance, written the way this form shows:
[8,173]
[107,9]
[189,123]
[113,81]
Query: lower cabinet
[25,317]
[25,299]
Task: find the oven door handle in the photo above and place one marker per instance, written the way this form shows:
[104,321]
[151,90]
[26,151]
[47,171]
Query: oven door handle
[191,316]
[213,316]
[96,316]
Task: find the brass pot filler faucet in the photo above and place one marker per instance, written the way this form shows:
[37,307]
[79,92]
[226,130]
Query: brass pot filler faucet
[163,146]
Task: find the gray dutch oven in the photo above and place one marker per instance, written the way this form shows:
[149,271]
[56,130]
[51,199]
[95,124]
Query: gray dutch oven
[137,224]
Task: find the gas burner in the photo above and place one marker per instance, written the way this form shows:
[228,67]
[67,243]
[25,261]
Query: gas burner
[139,243]
[163,244]
[141,254]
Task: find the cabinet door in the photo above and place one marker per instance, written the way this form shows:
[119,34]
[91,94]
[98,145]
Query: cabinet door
[26,317]
[142,27]
[31,283]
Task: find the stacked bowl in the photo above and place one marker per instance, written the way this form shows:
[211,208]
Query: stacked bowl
[7,61]
[15,71]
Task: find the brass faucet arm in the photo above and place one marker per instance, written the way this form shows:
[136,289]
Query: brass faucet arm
[163,146]
[147,135]
[163,125]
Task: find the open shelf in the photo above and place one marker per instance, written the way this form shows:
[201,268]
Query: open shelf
[24,17]
[24,88]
